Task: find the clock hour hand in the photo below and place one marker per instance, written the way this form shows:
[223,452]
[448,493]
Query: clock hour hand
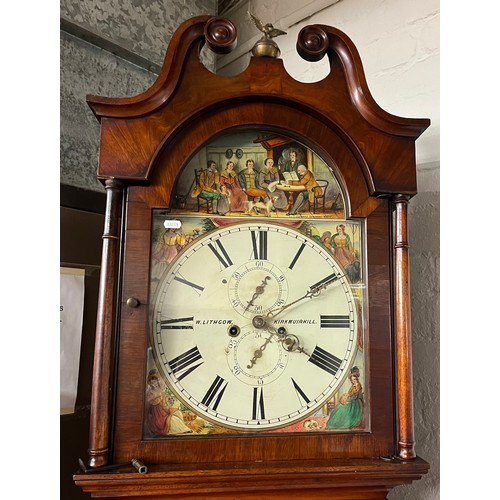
[291,343]
[258,291]
[314,291]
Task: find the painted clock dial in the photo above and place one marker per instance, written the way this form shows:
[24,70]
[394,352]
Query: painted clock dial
[254,326]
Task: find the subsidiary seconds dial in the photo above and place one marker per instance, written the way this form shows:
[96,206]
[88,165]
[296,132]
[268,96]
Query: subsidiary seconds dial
[254,326]
[256,287]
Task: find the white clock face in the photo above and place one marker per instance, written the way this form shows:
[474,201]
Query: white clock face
[254,326]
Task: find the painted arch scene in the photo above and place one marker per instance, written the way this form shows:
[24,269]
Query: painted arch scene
[250,173]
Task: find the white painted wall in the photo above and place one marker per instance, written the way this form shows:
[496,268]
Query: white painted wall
[398,41]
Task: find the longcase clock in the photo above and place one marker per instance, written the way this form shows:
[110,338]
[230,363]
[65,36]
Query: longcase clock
[253,333]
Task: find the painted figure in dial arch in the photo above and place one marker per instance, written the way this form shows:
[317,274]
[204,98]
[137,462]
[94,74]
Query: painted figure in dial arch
[249,182]
[292,163]
[269,174]
[229,179]
[209,182]
[306,179]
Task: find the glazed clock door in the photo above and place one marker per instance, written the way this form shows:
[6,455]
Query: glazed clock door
[254,327]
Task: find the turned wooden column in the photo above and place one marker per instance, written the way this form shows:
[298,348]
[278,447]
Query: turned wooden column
[100,405]
[404,370]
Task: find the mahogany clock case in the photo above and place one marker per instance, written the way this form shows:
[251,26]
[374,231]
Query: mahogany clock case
[141,201]
[147,141]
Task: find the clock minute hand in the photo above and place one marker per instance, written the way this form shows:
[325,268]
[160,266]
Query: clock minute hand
[275,312]
[314,291]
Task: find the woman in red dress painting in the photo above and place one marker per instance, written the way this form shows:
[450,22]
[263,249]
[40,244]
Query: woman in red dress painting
[229,178]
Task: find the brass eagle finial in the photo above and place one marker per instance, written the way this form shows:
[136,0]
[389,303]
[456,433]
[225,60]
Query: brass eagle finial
[268,29]
[266,47]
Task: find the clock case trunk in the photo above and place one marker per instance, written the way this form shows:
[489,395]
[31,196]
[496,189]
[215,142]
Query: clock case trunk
[145,140]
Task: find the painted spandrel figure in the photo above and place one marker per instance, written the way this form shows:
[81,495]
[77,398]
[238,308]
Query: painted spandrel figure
[349,412]
[162,417]
[343,251]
